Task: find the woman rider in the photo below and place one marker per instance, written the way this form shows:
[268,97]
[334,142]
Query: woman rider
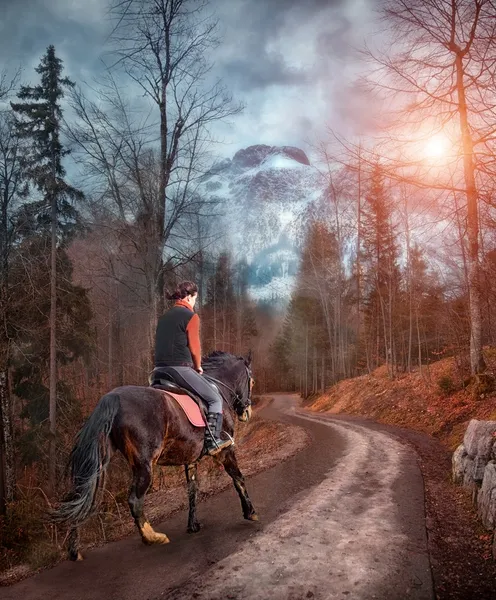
[178,353]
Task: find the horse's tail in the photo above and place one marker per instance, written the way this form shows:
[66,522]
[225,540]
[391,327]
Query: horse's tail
[88,462]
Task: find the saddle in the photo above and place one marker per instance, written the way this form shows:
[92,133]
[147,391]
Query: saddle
[164,381]
[192,405]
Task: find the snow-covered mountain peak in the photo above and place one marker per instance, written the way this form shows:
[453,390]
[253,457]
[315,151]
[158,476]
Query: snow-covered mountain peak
[281,156]
[265,191]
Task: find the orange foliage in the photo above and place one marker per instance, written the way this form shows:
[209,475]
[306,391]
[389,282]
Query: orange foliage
[414,400]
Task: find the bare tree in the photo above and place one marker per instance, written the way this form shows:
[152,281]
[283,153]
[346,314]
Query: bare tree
[163,46]
[443,65]
[12,188]
[8,83]
[115,147]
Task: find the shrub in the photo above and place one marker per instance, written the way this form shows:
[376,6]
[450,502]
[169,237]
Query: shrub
[446,385]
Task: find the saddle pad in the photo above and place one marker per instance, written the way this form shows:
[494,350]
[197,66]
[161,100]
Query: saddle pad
[190,407]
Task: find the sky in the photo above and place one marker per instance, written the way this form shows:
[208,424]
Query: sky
[292,63]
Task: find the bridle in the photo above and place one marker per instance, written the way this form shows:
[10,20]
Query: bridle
[237,399]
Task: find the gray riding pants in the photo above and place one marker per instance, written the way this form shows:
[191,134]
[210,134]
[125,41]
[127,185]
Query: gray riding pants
[191,380]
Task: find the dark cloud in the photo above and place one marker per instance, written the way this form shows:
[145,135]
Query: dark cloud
[76,29]
[252,27]
[290,61]
[270,15]
[248,74]
[336,41]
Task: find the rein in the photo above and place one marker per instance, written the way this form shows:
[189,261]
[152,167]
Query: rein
[213,379]
[237,397]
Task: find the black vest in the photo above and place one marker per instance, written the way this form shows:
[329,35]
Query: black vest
[171,339]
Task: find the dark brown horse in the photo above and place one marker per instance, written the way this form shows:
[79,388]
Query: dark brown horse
[148,427]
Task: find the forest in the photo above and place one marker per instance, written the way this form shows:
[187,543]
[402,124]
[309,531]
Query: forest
[103,212]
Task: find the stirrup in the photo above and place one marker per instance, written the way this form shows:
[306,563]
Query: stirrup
[217,447]
[230,438]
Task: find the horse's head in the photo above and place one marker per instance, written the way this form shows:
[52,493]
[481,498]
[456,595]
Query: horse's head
[242,405]
[235,376]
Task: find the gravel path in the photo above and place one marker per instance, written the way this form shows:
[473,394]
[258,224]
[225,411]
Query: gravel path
[359,534]
[344,518]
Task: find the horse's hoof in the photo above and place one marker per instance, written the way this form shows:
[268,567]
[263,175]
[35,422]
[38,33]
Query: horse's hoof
[162,539]
[75,556]
[79,556]
[252,517]
[195,528]
[150,537]
[158,538]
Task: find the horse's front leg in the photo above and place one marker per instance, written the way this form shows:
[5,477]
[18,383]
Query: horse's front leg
[230,464]
[192,479]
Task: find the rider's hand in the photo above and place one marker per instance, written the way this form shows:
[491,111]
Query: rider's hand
[200,370]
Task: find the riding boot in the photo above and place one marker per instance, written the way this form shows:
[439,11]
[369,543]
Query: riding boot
[213,442]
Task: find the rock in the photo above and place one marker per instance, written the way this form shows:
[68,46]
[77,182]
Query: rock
[479,438]
[252,156]
[486,498]
[218,167]
[468,464]
[474,464]
[297,154]
[457,463]
[478,469]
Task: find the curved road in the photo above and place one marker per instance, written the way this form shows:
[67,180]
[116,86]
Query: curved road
[344,518]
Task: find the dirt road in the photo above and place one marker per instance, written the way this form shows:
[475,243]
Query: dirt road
[344,518]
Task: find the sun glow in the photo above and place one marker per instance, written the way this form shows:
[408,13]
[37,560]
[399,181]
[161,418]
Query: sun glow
[436,147]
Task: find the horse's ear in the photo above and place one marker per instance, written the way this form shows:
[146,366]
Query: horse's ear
[249,358]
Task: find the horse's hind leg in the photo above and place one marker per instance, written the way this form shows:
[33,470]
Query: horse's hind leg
[142,477]
[192,479]
[230,464]
[74,539]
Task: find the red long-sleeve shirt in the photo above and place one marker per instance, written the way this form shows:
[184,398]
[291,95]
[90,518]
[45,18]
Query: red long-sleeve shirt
[177,340]
[193,333]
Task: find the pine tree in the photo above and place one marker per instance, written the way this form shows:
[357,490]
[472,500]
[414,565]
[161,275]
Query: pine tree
[39,121]
[381,277]
[311,348]
[31,358]
[220,306]
[12,190]
[245,317]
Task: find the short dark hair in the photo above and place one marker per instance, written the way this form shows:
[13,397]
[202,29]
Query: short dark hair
[185,288]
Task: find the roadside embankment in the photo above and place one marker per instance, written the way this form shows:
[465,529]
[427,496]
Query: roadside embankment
[434,401]
[431,411]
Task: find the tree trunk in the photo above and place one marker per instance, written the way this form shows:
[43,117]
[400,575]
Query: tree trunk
[419,341]
[118,339]
[323,373]
[477,364]
[110,339]
[306,363]
[409,287]
[215,313]
[7,463]
[53,337]
[357,267]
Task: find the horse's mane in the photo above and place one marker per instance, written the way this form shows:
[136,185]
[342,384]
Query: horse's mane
[217,359]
